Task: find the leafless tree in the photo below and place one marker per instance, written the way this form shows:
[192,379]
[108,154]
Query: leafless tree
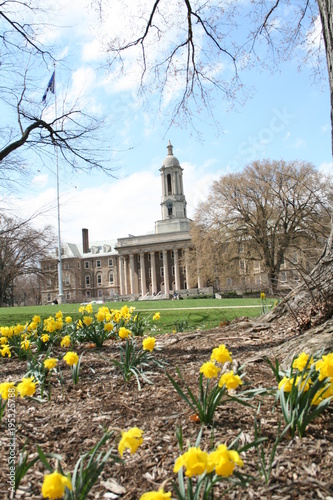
[21,249]
[37,129]
[270,208]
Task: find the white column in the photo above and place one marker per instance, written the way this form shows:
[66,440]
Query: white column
[125,276]
[176,264]
[187,274]
[153,273]
[143,274]
[121,275]
[166,272]
[131,274]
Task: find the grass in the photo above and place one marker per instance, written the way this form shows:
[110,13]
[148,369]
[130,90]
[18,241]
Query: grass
[179,315]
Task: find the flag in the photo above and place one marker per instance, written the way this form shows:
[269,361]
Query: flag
[50,87]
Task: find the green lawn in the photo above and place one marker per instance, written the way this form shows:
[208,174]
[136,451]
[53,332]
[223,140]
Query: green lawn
[181,315]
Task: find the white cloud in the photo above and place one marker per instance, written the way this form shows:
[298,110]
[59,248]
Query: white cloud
[115,209]
[40,181]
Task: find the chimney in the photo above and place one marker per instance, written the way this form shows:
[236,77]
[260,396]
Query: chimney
[85,240]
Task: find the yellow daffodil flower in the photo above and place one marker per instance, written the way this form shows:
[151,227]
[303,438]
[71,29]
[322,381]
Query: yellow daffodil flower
[156,316]
[5,351]
[54,485]
[195,462]
[223,461]
[124,332]
[230,380]
[71,358]
[325,366]
[87,320]
[131,440]
[156,495]
[148,344]
[65,341]
[27,387]
[210,370]
[50,363]
[221,354]
[300,362]
[4,389]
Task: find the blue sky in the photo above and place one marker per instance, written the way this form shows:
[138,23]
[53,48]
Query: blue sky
[288,117]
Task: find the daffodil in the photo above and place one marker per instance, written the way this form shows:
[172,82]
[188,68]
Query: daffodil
[230,380]
[5,387]
[301,362]
[54,485]
[87,320]
[325,366]
[27,387]
[223,461]
[68,319]
[156,316]
[50,363]
[210,370]
[36,319]
[156,495]
[124,332]
[45,338]
[65,341]
[71,358]
[195,462]
[108,327]
[131,440]
[148,344]
[221,354]
[5,351]
[25,344]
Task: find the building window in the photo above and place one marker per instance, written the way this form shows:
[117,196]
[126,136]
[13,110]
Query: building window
[86,264]
[110,262]
[111,278]
[149,272]
[67,280]
[256,267]
[162,272]
[283,276]
[78,265]
[99,279]
[49,297]
[149,256]
[87,280]
[68,296]
[242,266]
[98,263]
[172,254]
[173,270]
[100,293]
[169,184]
[138,257]
[88,294]
[161,255]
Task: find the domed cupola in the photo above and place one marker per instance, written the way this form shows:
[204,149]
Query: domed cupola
[173,202]
[170,160]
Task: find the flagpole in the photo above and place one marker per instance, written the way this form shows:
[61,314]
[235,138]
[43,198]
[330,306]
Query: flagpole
[61,296]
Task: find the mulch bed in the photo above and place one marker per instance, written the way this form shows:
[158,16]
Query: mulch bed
[72,423]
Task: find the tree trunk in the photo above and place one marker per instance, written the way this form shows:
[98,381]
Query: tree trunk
[311,303]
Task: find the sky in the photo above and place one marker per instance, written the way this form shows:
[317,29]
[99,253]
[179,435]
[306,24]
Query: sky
[286,117]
